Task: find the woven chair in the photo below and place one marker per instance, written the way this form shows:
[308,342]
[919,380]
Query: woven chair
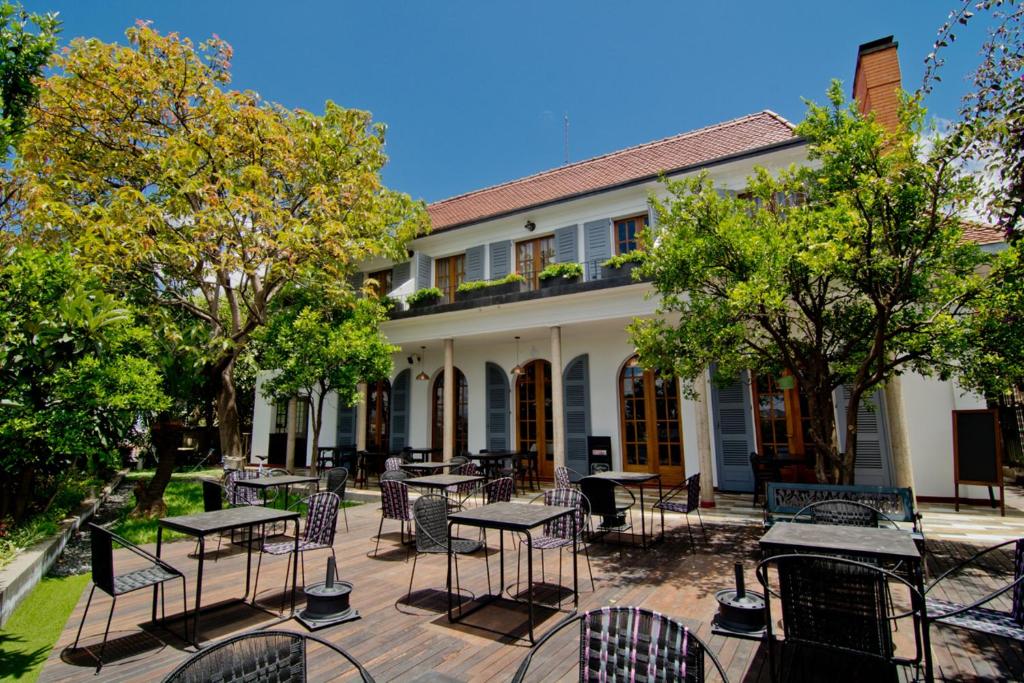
[103,577]
[845,513]
[632,643]
[241,495]
[766,470]
[671,503]
[458,461]
[979,615]
[499,490]
[317,534]
[393,475]
[337,481]
[430,513]
[600,493]
[462,493]
[837,604]
[393,464]
[394,498]
[257,656]
[557,535]
[566,478]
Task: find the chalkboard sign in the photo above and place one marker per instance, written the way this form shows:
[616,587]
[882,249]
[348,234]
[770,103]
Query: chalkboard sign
[977,451]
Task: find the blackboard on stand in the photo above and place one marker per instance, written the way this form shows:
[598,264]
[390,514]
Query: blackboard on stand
[978,453]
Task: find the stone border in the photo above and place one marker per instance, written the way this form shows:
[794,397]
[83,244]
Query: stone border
[19,577]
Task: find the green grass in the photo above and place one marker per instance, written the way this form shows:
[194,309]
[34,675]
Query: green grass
[183,496]
[30,633]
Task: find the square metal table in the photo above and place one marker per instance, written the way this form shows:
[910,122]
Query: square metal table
[637,479]
[203,524]
[517,517]
[422,453]
[265,483]
[870,543]
[422,468]
[491,461]
[443,481]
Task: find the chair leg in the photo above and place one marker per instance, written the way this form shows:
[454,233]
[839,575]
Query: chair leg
[408,594]
[586,552]
[106,632]
[284,595]
[82,622]
[690,532]
[701,520]
[256,583]
[380,527]
[344,512]
[184,607]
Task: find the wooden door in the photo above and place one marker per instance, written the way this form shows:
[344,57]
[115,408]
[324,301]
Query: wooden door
[651,428]
[534,415]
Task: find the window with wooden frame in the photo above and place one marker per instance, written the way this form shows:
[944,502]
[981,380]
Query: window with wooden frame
[461,444]
[626,230]
[782,417]
[449,273]
[652,437]
[533,256]
[378,415]
[301,417]
[384,283]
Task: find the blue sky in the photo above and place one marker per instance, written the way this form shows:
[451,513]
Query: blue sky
[474,93]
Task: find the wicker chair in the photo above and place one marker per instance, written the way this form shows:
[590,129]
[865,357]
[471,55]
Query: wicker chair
[837,604]
[632,643]
[557,535]
[431,515]
[241,495]
[564,477]
[670,503]
[976,616]
[394,498]
[393,475]
[499,490]
[462,493]
[845,513]
[393,464]
[256,656]
[317,534]
[337,481]
[103,577]
[458,461]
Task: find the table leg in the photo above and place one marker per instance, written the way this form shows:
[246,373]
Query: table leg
[926,646]
[529,581]
[643,520]
[159,539]
[448,581]
[295,564]
[501,561]
[248,559]
[661,510]
[575,550]
[199,590]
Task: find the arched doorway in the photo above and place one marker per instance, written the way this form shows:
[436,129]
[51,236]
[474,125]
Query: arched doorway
[651,427]
[378,416]
[534,429]
[461,413]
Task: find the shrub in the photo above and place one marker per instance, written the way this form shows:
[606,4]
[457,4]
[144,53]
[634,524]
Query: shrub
[424,296]
[635,256]
[481,284]
[568,271]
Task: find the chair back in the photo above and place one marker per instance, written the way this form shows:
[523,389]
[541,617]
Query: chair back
[562,527]
[458,460]
[394,498]
[393,475]
[842,513]
[276,472]
[102,547]
[637,644]
[1017,597]
[321,518]
[499,490]
[693,492]
[241,495]
[212,496]
[600,494]
[467,469]
[562,480]
[393,465]
[431,516]
[337,480]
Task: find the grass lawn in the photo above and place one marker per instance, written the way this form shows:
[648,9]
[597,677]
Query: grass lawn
[183,496]
[29,635]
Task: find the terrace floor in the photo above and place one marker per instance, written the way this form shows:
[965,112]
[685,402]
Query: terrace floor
[398,641]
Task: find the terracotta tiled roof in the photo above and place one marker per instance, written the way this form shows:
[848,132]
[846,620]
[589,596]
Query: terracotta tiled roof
[980,233]
[633,164]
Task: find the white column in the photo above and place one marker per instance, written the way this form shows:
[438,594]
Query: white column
[707,478]
[557,404]
[289,452]
[361,417]
[903,470]
[449,399]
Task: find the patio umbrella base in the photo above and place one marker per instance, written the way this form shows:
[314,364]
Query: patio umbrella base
[314,623]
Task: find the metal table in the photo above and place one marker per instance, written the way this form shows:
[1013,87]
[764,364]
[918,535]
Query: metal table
[637,479]
[205,523]
[425,454]
[520,518]
[424,468]
[443,481]
[265,483]
[870,543]
[491,461]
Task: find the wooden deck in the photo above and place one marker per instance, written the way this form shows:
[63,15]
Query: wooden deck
[399,641]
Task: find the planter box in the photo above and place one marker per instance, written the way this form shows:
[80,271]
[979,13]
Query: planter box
[623,272]
[558,282]
[423,303]
[487,292]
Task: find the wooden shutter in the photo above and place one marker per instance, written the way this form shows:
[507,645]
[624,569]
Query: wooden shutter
[498,432]
[873,466]
[566,249]
[501,259]
[734,437]
[474,263]
[400,274]
[576,396]
[346,435]
[423,271]
[597,246]
[398,428]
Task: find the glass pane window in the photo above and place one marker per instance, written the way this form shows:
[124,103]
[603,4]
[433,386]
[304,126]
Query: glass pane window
[449,273]
[782,418]
[626,230]
[384,283]
[534,256]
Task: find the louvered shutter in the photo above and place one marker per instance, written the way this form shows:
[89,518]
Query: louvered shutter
[872,467]
[734,437]
[400,274]
[501,259]
[566,249]
[346,433]
[475,263]
[424,266]
[576,388]
[356,280]
[497,408]
[398,429]
[597,246]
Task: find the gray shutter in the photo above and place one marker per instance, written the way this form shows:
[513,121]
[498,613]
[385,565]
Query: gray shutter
[398,429]
[873,466]
[400,274]
[576,388]
[424,266]
[346,435]
[566,250]
[501,259]
[497,408]
[652,217]
[356,280]
[734,438]
[475,263]
[597,246]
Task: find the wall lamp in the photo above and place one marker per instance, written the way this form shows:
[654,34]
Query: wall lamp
[530,226]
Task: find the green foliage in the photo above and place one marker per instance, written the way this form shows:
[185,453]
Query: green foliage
[427,294]
[183,496]
[568,271]
[23,54]
[474,285]
[619,260]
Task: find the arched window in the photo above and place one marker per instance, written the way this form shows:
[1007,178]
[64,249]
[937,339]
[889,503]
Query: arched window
[461,413]
[533,414]
[651,426]
[378,416]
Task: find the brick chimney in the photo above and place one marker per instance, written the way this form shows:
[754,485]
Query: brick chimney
[876,81]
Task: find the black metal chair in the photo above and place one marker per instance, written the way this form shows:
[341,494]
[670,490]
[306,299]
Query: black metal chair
[838,605]
[632,643]
[393,475]
[394,499]
[844,513]
[430,512]
[566,477]
[557,535]
[103,577]
[766,470]
[257,656]
[670,502]
[337,482]
[980,615]
[213,500]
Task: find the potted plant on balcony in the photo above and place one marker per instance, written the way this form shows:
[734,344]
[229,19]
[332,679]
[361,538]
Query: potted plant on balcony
[478,289]
[424,297]
[560,274]
[622,266]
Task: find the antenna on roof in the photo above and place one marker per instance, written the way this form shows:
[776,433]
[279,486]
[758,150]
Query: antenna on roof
[565,137]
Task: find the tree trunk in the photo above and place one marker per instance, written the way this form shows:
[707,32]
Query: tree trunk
[316,417]
[849,456]
[149,495]
[228,422]
[822,425]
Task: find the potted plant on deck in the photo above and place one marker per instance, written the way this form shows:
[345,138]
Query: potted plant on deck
[622,266]
[478,289]
[424,297]
[560,274]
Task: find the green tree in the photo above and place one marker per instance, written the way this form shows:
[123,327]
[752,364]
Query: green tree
[205,199]
[845,271]
[314,350]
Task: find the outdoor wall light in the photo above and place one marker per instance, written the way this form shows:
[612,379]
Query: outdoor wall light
[517,369]
[530,226]
[422,376]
